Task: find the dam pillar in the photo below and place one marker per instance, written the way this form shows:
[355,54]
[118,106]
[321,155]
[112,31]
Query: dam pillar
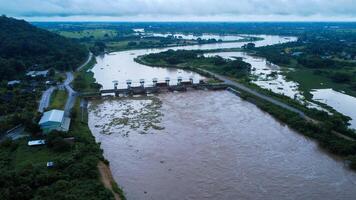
[128,82]
[154,81]
[179,80]
[167,81]
[116,83]
[142,83]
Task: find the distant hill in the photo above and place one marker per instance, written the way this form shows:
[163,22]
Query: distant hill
[24,46]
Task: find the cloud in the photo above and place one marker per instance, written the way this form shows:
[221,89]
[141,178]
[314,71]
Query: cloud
[178,8]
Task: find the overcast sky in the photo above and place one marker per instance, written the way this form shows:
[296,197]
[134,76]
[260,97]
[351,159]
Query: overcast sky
[180,10]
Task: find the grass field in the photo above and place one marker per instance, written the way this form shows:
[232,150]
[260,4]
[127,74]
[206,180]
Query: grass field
[36,156]
[84,79]
[97,34]
[58,99]
[308,80]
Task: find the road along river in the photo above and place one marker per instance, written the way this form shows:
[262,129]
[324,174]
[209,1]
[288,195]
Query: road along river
[205,145]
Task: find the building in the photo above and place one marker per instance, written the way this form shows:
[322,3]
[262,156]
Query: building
[14,82]
[54,120]
[38,73]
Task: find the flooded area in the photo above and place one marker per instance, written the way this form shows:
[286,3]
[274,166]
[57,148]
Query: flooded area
[195,37]
[181,148]
[270,76]
[120,66]
[205,145]
[342,103]
[265,74]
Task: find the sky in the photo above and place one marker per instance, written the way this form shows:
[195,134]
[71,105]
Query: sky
[180,10]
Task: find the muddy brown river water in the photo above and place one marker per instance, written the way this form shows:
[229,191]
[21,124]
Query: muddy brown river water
[211,145]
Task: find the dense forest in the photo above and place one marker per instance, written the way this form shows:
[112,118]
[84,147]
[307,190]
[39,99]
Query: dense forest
[24,47]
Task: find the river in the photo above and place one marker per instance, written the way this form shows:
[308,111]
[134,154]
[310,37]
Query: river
[120,66]
[212,145]
[207,145]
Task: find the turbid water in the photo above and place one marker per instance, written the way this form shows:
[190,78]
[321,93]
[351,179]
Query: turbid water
[343,103]
[120,66]
[208,145]
[211,145]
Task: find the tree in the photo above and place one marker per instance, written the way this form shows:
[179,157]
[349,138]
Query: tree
[51,72]
[249,45]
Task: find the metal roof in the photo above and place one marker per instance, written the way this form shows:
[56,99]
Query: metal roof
[52,116]
[37,73]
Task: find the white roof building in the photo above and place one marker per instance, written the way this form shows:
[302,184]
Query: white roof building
[43,73]
[14,82]
[54,120]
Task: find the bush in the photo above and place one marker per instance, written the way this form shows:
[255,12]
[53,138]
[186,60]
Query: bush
[56,142]
[341,77]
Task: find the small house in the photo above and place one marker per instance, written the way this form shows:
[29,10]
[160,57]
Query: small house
[14,82]
[43,73]
[54,120]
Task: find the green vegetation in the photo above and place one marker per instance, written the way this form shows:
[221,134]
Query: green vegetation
[319,60]
[24,46]
[95,33]
[118,190]
[18,104]
[58,99]
[195,59]
[23,170]
[84,80]
[111,37]
[24,175]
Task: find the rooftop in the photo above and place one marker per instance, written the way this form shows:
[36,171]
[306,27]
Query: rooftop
[13,82]
[52,116]
[37,73]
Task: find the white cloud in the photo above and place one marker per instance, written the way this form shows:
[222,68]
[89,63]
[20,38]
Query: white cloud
[177,9]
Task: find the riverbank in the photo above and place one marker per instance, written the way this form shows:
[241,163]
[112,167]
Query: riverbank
[83,81]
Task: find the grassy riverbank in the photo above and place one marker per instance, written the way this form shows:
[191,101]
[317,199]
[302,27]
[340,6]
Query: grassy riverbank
[84,80]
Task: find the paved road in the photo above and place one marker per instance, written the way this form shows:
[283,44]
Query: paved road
[86,62]
[71,94]
[45,99]
[255,93]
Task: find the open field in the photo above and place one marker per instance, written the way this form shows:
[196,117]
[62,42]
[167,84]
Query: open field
[58,99]
[97,34]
